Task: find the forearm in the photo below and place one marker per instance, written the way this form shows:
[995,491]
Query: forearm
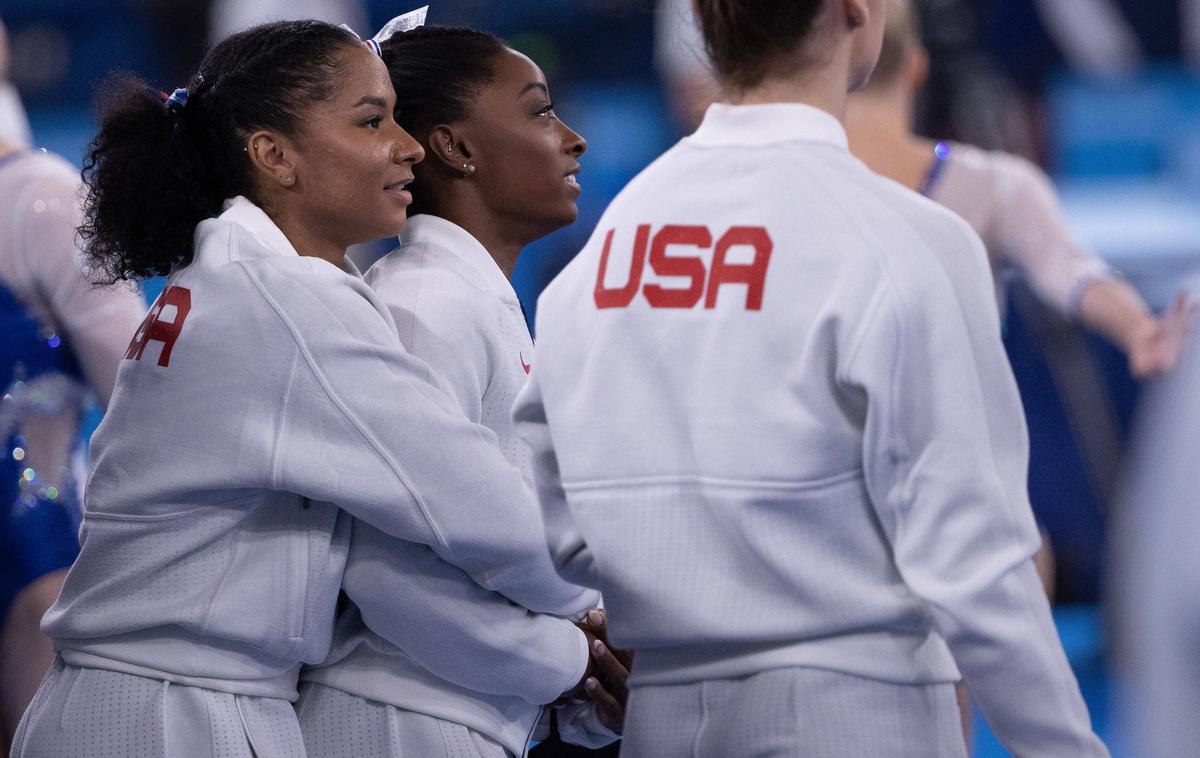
[429,609]
[1115,309]
[1004,641]
[571,557]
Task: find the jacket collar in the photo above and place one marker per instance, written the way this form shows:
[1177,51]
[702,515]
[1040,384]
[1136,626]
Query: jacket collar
[449,236]
[243,212]
[767,124]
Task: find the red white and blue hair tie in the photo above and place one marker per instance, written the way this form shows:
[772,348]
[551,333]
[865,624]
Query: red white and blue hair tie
[402,23]
[174,104]
[176,101]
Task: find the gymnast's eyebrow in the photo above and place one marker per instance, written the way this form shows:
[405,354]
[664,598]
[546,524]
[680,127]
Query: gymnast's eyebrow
[531,86]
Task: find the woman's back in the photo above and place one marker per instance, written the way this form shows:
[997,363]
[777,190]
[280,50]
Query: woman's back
[775,388]
[806,271]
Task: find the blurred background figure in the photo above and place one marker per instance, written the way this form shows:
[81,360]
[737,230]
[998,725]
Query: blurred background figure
[1158,568]
[1012,205]
[1107,38]
[965,97]
[14,125]
[1009,202]
[61,343]
[681,62]
[229,16]
[1122,153]
[1093,35]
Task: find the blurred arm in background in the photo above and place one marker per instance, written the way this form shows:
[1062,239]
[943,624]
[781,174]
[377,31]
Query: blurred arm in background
[1093,35]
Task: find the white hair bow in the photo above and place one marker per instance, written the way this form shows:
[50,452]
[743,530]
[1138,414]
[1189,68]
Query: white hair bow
[402,23]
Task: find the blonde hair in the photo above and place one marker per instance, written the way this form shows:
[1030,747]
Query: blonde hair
[900,36]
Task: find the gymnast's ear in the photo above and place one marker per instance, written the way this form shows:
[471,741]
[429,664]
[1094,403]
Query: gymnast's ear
[449,148]
[916,68]
[272,158]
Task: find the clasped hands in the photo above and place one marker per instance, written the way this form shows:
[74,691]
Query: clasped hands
[604,682]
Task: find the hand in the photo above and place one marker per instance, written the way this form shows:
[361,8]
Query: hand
[1157,349]
[607,689]
[596,622]
[604,682]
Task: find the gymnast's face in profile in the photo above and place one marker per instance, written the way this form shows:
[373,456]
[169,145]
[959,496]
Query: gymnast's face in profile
[528,157]
[345,173]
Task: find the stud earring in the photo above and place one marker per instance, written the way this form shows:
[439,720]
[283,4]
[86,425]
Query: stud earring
[469,168]
[289,180]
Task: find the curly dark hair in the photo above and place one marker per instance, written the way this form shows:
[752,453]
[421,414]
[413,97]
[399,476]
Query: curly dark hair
[156,170]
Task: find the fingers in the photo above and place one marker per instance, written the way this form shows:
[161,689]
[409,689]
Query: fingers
[610,671]
[610,711]
[1180,300]
[1158,351]
[596,622]
[1182,310]
[1182,303]
[605,682]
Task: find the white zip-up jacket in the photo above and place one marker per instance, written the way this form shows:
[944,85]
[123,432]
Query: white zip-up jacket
[439,643]
[772,421]
[246,416]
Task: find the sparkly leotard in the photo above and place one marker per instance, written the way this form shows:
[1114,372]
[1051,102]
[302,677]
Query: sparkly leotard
[1013,207]
[55,327]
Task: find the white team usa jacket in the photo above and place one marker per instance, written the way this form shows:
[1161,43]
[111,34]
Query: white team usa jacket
[772,421]
[438,643]
[265,397]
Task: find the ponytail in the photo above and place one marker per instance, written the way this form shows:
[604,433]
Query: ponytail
[161,163]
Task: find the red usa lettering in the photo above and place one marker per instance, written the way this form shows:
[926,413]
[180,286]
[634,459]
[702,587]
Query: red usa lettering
[703,281]
[154,329]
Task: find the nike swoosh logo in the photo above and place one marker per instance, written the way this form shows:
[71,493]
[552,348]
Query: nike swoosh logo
[525,365]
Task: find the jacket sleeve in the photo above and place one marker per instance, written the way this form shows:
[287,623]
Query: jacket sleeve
[944,455]
[569,551]
[579,724]
[363,426]
[456,629]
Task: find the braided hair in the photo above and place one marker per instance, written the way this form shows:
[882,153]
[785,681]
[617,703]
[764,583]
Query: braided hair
[160,165]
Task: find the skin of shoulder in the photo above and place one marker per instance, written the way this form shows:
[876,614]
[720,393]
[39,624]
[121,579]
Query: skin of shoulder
[944,232]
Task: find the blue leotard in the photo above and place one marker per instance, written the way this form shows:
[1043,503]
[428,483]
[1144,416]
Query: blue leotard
[39,379]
